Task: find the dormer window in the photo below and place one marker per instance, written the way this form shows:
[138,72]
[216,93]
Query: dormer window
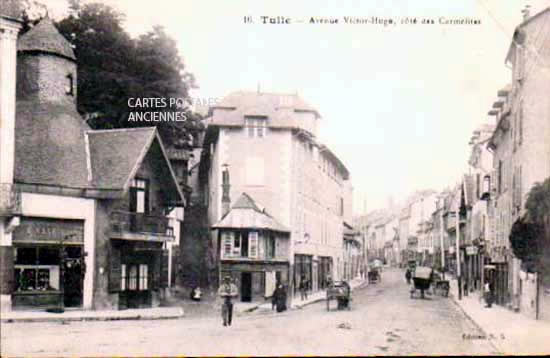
[69,85]
[256,126]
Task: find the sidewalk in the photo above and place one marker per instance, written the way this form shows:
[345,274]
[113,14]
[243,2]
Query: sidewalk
[265,307]
[510,332]
[81,315]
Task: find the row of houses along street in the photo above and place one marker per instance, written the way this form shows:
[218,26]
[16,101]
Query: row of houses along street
[510,152]
[114,219]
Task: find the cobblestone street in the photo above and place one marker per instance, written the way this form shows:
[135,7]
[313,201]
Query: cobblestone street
[383,321]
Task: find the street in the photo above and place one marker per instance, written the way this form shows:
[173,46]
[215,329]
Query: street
[383,321]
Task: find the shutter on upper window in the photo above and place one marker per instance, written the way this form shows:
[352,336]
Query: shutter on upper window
[253,244]
[115,271]
[164,269]
[227,244]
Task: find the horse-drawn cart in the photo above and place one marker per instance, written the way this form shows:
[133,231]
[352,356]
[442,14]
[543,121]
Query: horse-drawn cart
[341,292]
[422,279]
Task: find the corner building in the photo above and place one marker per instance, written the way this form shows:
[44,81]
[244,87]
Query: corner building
[267,143]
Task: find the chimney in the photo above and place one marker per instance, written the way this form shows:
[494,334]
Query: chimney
[226,199]
[526,12]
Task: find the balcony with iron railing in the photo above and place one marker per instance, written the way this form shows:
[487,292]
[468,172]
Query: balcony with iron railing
[132,225]
[10,200]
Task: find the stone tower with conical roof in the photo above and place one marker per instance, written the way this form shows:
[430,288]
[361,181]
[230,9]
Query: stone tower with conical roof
[46,65]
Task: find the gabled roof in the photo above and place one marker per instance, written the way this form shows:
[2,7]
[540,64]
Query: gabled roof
[54,146]
[44,37]
[117,154]
[245,214]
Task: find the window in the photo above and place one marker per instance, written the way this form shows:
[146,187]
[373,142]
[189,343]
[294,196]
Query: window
[256,126]
[123,277]
[237,245]
[69,87]
[253,245]
[270,246]
[227,244]
[520,124]
[139,196]
[143,282]
[133,278]
[36,268]
[478,185]
[499,176]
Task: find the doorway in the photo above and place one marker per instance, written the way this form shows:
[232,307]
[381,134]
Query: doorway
[73,277]
[246,287]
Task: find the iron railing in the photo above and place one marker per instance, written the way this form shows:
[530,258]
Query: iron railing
[124,221]
[10,199]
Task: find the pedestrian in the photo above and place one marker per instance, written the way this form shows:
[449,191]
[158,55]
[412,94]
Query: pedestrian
[279,296]
[488,294]
[303,287]
[408,276]
[227,291]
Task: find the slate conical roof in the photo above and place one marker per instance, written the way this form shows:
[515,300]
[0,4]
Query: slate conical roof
[44,37]
[11,9]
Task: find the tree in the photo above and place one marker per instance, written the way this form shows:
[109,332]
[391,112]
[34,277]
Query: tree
[538,211]
[530,235]
[525,243]
[113,67]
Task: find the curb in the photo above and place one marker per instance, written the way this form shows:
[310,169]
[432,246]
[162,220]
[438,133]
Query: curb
[91,318]
[498,349]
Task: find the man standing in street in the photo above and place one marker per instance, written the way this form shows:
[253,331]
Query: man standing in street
[408,276]
[303,287]
[226,291]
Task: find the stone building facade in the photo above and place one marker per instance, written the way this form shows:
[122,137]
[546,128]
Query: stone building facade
[268,144]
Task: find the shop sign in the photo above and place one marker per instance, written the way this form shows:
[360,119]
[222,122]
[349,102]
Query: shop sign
[471,250]
[49,230]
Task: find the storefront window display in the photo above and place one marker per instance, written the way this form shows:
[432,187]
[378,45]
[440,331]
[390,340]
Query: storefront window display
[36,269]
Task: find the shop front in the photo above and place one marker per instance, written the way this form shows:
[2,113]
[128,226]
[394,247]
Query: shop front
[303,269]
[256,281]
[138,272]
[325,265]
[48,263]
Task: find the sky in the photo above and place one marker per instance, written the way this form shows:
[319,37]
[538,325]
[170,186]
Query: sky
[398,103]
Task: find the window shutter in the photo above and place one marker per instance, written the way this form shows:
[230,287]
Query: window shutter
[157,269]
[227,244]
[253,244]
[164,269]
[6,270]
[115,270]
